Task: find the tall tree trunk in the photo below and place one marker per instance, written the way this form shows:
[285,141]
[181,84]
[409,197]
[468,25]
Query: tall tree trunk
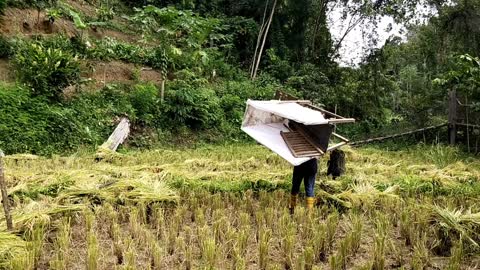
[259,57]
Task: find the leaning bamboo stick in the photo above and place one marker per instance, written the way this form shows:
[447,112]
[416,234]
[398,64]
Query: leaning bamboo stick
[398,134]
[5,201]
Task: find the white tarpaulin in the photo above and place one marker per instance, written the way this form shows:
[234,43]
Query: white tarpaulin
[264,120]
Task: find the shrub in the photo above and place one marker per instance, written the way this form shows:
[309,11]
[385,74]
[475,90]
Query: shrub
[191,106]
[3,5]
[30,124]
[47,71]
[145,101]
[5,46]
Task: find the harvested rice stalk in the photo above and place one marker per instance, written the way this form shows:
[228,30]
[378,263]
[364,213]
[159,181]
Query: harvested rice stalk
[11,246]
[465,223]
[29,215]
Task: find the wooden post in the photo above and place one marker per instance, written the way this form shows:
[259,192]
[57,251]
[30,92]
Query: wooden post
[5,201]
[162,89]
[452,117]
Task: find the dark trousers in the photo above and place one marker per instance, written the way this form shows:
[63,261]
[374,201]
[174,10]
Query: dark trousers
[307,172]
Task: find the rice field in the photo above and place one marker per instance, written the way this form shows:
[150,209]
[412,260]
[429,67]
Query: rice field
[225,207]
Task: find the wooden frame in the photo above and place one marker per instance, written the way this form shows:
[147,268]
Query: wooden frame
[299,145]
[333,119]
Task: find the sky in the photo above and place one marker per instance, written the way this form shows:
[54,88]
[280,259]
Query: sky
[356,45]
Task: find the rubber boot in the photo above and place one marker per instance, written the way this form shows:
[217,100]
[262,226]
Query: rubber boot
[310,202]
[293,203]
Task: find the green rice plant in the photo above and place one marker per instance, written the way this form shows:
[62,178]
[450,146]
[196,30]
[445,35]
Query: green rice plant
[263,248]
[335,262]
[455,261]
[118,251]
[242,237]
[209,252]
[200,219]
[407,226]
[260,219]
[92,250]
[156,255]
[159,223]
[288,245]
[188,233]
[355,233]
[142,212]
[35,238]
[309,257]
[180,246]
[300,215]
[239,262]
[300,262]
[396,253]
[130,263]
[344,249]
[421,257]
[381,224]
[244,220]
[188,257]
[62,245]
[319,242]
[113,220]
[216,201]
[24,262]
[134,223]
[269,217]
[331,228]
[441,155]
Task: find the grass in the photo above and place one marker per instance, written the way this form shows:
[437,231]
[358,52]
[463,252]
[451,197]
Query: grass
[225,207]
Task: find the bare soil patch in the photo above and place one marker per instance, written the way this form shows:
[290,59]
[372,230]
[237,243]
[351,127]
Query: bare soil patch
[121,72]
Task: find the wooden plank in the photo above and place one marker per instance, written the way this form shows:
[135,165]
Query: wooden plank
[340,137]
[312,142]
[301,147]
[5,200]
[313,107]
[285,138]
[333,147]
[341,121]
[118,136]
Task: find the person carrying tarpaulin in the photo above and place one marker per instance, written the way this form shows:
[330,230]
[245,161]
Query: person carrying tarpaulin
[307,172]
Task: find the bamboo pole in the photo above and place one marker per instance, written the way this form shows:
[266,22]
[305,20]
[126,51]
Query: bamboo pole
[378,139]
[452,117]
[5,201]
[255,68]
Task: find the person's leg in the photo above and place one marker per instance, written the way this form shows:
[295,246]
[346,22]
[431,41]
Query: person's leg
[309,182]
[296,182]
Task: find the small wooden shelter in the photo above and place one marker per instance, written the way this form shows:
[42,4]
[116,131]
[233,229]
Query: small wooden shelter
[297,130]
